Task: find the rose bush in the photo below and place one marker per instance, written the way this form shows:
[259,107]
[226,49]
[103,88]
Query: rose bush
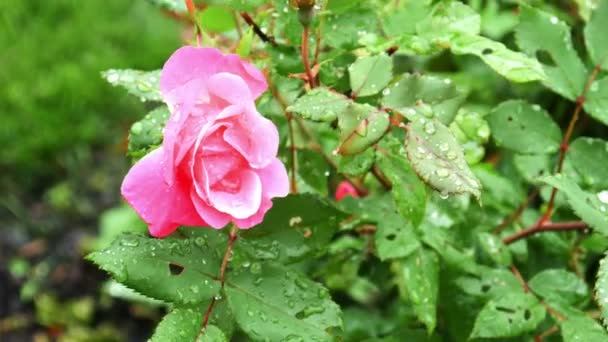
[217,163]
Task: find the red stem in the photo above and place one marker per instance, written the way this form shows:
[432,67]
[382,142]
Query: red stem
[517,213]
[580,101]
[231,239]
[546,227]
[304,51]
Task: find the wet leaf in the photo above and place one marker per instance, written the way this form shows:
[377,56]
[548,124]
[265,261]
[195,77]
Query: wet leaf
[361,126]
[147,133]
[320,104]
[438,159]
[275,303]
[601,289]
[509,315]
[589,156]
[369,75]
[587,206]
[595,32]
[524,128]
[143,84]
[418,278]
[559,285]
[514,66]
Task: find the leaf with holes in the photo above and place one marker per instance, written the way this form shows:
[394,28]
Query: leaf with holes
[559,285]
[586,205]
[276,303]
[295,227]
[533,166]
[369,75]
[147,133]
[143,84]
[361,126]
[595,35]
[509,315]
[514,66]
[184,324]
[418,280]
[601,288]
[524,128]
[438,159]
[589,156]
[411,92]
[543,35]
[320,104]
[490,283]
[409,193]
[172,270]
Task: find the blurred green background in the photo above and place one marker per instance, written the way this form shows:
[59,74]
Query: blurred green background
[62,156]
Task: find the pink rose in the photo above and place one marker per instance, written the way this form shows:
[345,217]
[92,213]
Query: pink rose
[217,163]
[345,188]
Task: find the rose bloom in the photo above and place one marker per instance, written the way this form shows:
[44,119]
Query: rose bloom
[217,163]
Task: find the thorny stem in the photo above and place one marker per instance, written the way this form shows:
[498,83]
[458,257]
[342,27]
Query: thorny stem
[305,59]
[231,239]
[256,29]
[580,101]
[546,227]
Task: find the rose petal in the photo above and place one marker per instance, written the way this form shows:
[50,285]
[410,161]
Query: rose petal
[256,218]
[345,188]
[212,216]
[231,88]
[164,207]
[253,76]
[275,182]
[192,63]
[255,137]
[238,194]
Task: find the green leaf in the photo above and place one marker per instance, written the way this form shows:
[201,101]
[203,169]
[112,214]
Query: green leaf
[509,315]
[296,226]
[370,74]
[497,251]
[438,159]
[472,132]
[582,328]
[410,91]
[514,66]
[601,288]
[361,126]
[589,156]
[143,84]
[172,270]
[533,166]
[541,33]
[524,128]
[320,104]
[409,193]
[313,169]
[586,205]
[342,30]
[448,19]
[184,324]
[461,259]
[357,165]
[418,277]
[147,133]
[596,100]
[595,34]
[559,285]
[216,19]
[490,283]
[275,303]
